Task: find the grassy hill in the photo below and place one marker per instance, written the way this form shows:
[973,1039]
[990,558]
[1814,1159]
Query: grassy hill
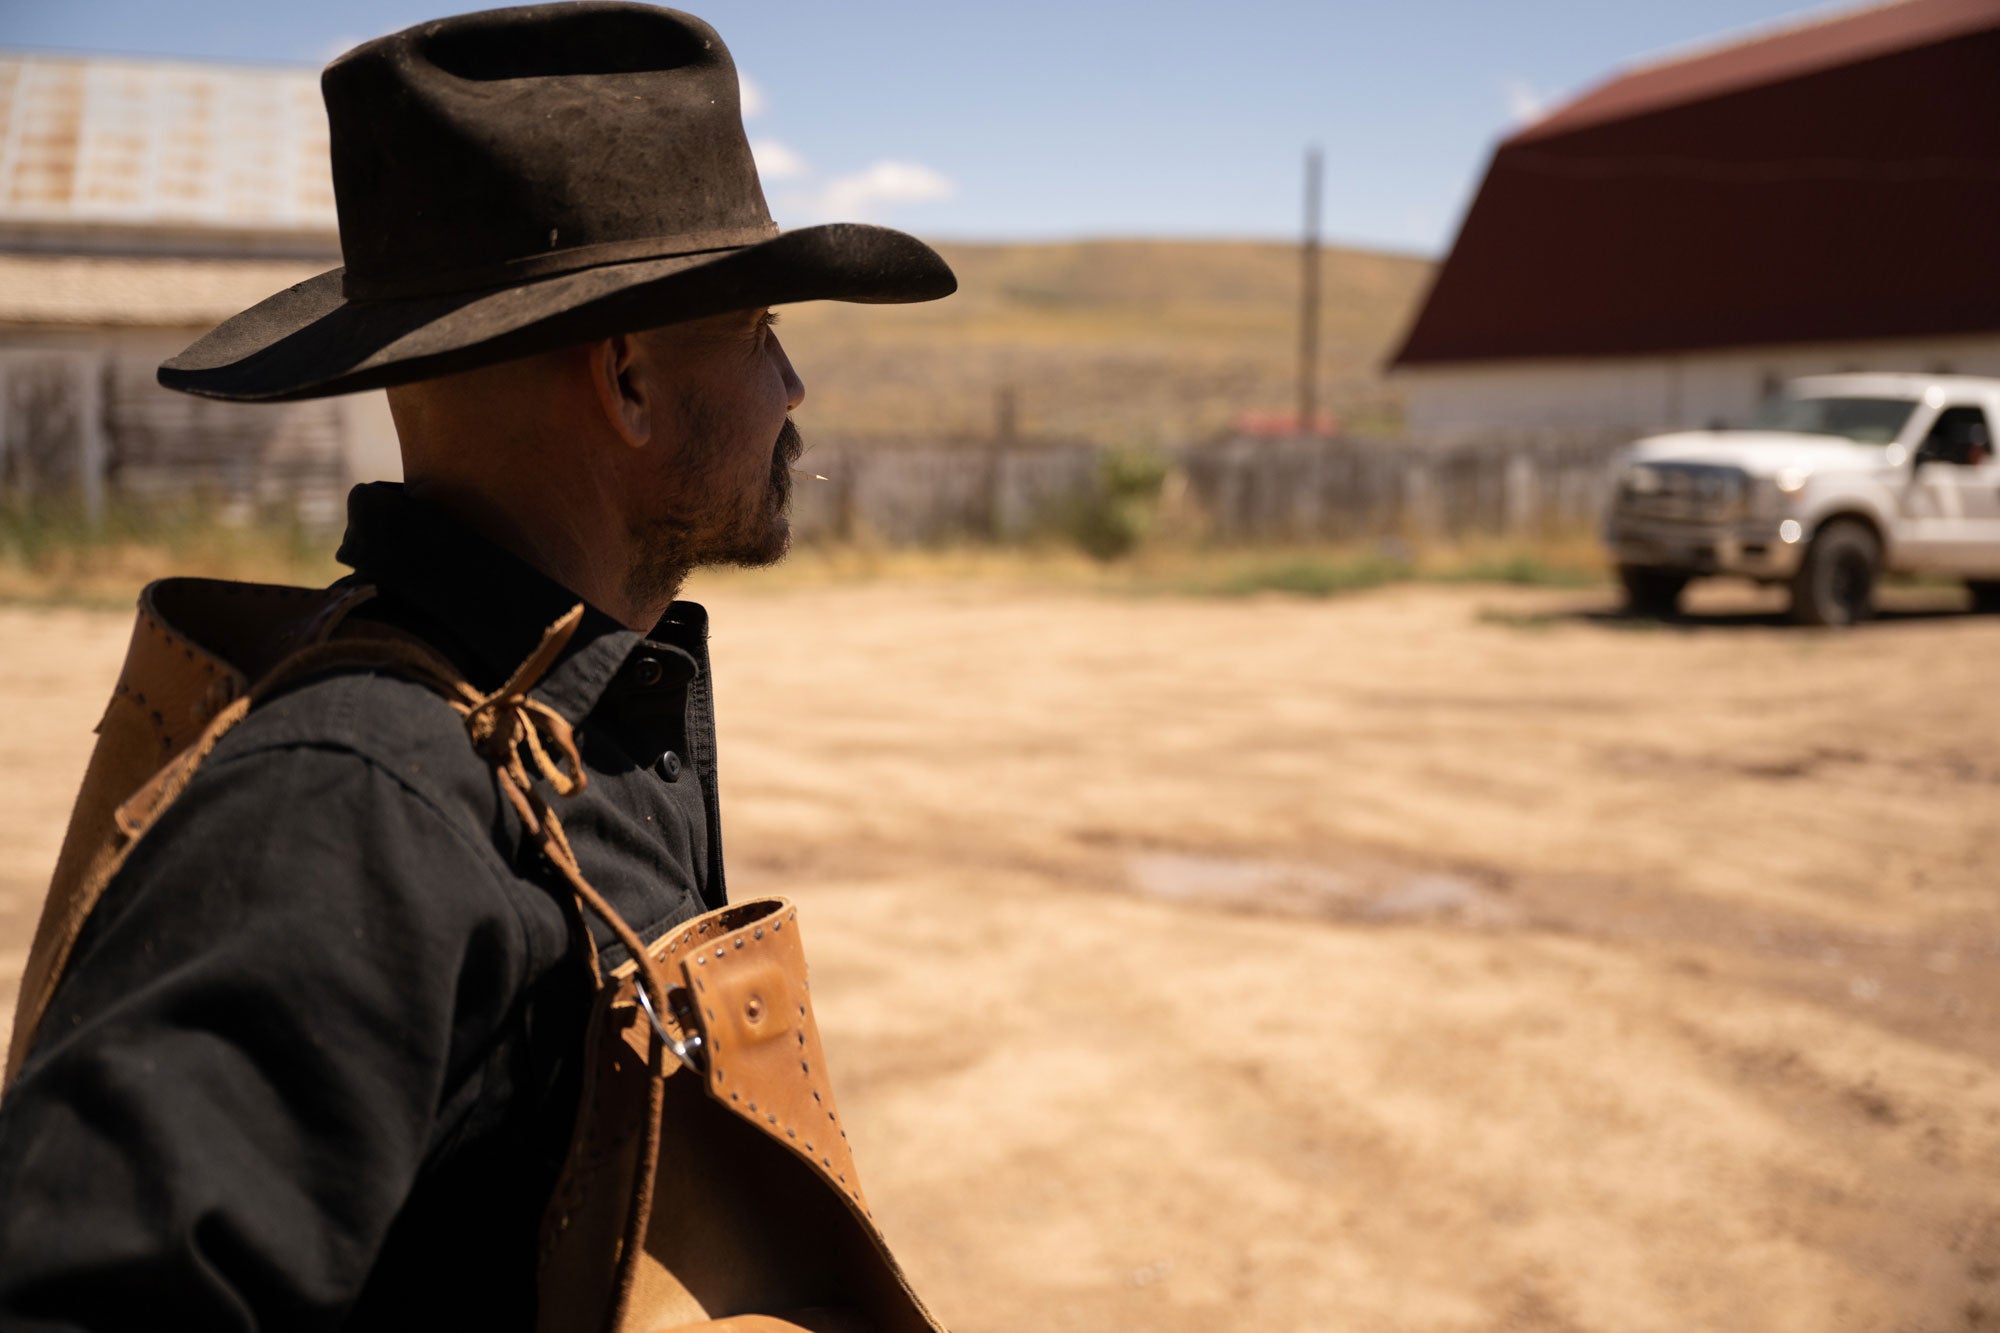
[1133,341]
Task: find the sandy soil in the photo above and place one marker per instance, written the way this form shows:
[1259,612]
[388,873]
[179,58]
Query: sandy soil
[1435,959]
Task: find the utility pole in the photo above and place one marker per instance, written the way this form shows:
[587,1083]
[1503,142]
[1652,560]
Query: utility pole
[1007,414]
[1309,304]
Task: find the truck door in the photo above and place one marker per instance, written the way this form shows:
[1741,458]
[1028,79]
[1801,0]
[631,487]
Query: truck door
[1927,501]
[1956,461]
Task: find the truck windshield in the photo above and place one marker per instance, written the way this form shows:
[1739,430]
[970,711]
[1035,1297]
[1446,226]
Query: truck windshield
[1868,420]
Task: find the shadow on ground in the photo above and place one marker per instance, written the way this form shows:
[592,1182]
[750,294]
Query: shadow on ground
[1748,609]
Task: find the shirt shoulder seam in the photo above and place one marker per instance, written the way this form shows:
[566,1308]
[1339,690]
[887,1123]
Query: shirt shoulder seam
[498,867]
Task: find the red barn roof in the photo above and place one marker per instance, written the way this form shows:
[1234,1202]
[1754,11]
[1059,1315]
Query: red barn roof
[1832,181]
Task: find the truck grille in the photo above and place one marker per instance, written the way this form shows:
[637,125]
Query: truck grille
[1683,492]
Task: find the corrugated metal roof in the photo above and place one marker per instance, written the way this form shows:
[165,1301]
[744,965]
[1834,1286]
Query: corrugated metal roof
[93,140]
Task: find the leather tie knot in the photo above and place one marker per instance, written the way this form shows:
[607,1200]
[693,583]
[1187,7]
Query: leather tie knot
[514,731]
[524,738]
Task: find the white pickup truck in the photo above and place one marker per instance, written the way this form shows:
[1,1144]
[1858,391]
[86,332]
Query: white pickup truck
[1843,478]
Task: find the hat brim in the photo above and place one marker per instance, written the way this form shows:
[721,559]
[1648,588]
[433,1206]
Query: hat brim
[310,341]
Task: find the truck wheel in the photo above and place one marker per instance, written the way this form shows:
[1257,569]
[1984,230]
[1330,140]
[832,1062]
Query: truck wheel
[1835,584]
[1650,591]
[1985,595]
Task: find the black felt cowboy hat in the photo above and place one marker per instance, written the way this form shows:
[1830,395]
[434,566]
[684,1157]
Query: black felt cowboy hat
[519,179]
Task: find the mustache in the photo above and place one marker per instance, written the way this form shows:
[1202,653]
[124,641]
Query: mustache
[784,454]
[791,445]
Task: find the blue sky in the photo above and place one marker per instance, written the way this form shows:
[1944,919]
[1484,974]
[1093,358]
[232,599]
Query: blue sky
[1037,119]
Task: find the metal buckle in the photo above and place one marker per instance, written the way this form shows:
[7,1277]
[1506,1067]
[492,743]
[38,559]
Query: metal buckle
[689,1052]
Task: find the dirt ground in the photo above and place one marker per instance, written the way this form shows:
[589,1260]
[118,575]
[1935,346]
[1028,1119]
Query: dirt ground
[1429,959]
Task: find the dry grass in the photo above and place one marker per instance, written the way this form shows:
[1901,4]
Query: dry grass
[1132,341]
[49,557]
[1168,569]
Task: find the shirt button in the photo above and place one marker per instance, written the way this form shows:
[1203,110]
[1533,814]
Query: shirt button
[647,672]
[670,766]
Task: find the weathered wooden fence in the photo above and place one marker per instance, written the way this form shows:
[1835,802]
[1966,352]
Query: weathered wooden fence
[1258,490]
[1330,489]
[90,425]
[914,496]
[84,423]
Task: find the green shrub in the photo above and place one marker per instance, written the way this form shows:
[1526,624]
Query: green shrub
[1121,509]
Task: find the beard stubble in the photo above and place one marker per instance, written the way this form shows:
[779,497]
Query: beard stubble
[702,524]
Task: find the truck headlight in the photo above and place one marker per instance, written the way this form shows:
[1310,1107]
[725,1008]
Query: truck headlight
[1771,496]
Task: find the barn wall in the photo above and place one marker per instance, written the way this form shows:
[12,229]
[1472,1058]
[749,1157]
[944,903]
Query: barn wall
[1640,395]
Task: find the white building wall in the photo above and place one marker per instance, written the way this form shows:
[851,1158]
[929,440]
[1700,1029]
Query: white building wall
[1642,395]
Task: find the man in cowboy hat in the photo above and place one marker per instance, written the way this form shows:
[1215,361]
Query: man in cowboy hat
[314,1058]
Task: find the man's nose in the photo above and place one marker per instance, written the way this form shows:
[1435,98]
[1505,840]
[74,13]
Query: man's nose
[795,388]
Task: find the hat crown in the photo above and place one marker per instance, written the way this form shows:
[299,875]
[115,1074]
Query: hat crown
[495,147]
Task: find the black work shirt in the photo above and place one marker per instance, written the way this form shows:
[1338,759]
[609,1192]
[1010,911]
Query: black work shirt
[313,1062]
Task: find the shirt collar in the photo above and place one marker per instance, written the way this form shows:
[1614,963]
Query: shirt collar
[492,607]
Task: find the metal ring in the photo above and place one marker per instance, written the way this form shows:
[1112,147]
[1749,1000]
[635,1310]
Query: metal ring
[688,1052]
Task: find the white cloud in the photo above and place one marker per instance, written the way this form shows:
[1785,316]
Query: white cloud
[866,193]
[1527,103]
[775,162]
[751,96]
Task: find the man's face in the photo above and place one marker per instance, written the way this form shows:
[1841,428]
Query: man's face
[722,475]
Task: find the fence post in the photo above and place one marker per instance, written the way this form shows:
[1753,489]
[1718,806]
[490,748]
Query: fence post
[6,443]
[992,503]
[1419,517]
[91,453]
[1520,496]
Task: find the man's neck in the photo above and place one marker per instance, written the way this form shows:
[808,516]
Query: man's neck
[588,557]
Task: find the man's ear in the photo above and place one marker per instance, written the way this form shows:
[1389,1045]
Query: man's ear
[622,392]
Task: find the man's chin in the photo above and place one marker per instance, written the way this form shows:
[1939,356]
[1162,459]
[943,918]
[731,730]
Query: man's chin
[773,545]
[778,547]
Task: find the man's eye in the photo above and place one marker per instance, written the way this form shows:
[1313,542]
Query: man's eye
[770,318]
